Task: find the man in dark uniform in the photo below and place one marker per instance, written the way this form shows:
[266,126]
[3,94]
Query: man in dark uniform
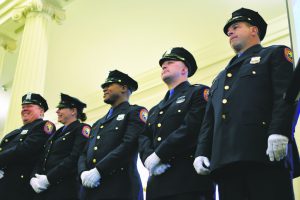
[107,167]
[168,143]
[292,96]
[56,173]
[20,149]
[247,126]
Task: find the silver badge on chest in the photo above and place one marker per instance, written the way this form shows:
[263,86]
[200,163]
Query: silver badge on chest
[180,99]
[24,132]
[255,60]
[120,117]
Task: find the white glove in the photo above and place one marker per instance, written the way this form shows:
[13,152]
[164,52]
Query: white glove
[151,162]
[160,169]
[201,165]
[1,174]
[91,178]
[35,185]
[277,147]
[42,181]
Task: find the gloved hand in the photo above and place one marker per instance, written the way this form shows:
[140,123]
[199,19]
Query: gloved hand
[277,147]
[35,185]
[151,162]
[1,174]
[160,169]
[91,178]
[201,165]
[42,181]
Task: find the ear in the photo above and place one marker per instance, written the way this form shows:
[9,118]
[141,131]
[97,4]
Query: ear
[254,30]
[184,70]
[74,110]
[124,88]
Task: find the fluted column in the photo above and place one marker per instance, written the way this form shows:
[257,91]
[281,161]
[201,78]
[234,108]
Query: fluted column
[6,45]
[32,60]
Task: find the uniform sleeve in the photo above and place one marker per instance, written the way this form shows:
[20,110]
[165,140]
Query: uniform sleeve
[119,156]
[186,135]
[82,163]
[28,149]
[145,143]
[68,165]
[281,72]
[204,143]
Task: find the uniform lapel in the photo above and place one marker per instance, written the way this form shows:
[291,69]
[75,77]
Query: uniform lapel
[178,91]
[117,111]
[69,128]
[249,52]
[252,51]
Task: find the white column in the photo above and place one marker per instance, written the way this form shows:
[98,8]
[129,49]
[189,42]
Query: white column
[6,45]
[32,60]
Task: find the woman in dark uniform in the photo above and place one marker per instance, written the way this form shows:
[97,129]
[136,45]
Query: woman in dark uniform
[55,175]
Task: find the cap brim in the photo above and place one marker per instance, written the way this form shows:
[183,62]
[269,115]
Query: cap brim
[232,21]
[162,60]
[27,102]
[61,106]
[107,83]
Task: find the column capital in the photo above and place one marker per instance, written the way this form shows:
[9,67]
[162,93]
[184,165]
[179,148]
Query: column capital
[36,7]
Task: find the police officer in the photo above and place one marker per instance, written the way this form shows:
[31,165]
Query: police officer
[108,166]
[247,127]
[292,96]
[168,143]
[20,149]
[55,174]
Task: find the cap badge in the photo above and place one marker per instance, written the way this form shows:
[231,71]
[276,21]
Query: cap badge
[28,96]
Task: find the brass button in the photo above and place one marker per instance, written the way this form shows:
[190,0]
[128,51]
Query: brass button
[21,139]
[22,176]
[6,140]
[159,125]
[117,128]
[0,149]
[122,168]
[264,123]
[223,116]
[95,148]
[191,156]
[161,112]
[94,160]
[101,126]
[98,137]
[179,111]
[229,75]
[149,124]
[226,87]
[64,139]
[159,139]
[224,101]
[253,72]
